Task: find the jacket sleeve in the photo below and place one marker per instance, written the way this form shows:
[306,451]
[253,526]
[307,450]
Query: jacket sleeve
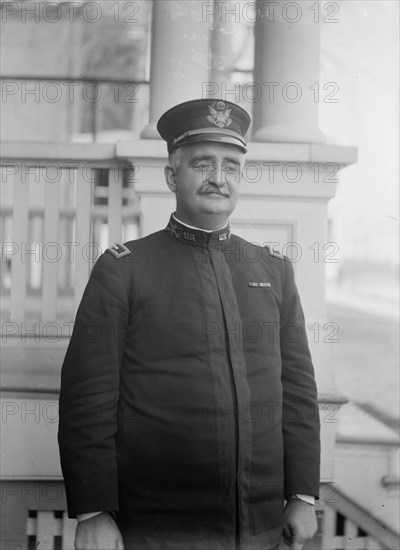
[90,389]
[300,421]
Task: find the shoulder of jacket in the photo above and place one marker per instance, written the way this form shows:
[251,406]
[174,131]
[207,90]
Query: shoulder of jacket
[119,250]
[274,253]
[132,248]
[245,243]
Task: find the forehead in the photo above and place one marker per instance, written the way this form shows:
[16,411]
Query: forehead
[218,151]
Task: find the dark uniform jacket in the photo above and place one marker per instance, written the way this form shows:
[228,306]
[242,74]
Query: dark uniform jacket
[188,401]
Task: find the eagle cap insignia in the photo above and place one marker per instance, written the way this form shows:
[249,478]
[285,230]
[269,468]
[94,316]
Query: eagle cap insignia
[218,115]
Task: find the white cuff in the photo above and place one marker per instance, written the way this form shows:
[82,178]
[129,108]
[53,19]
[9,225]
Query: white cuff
[82,517]
[307,498]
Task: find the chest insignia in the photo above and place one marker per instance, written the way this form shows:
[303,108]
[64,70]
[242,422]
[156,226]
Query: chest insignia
[263,285]
[118,250]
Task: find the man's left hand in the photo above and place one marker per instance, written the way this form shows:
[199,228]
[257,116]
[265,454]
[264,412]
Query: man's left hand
[299,523]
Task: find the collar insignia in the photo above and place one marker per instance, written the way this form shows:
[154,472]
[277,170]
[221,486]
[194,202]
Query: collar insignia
[218,115]
[172,228]
[189,236]
[196,236]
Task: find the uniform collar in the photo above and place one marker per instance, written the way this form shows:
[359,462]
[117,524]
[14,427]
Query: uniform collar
[194,235]
[197,228]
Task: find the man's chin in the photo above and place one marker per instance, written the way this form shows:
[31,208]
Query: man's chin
[218,208]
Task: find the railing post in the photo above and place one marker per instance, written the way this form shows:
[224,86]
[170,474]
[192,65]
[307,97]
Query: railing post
[50,265]
[20,236]
[84,194]
[115,183]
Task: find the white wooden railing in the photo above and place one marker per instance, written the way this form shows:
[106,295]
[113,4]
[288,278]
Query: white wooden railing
[342,525]
[61,206]
[345,525]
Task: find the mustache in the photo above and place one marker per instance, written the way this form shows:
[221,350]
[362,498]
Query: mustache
[208,189]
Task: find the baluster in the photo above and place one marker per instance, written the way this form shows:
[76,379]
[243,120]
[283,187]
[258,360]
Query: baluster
[19,237]
[68,532]
[351,539]
[115,183]
[48,527]
[84,193]
[51,264]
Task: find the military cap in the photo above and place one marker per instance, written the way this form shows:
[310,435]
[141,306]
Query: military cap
[204,120]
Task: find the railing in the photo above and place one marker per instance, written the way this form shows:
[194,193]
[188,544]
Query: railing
[41,505]
[61,207]
[344,525]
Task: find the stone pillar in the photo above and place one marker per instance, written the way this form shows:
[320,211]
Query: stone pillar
[179,56]
[223,28]
[286,72]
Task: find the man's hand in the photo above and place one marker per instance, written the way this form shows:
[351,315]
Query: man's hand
[299,523]
[98,533]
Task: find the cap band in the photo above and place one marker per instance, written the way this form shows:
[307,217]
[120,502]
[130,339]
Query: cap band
[220,131]
[206,138]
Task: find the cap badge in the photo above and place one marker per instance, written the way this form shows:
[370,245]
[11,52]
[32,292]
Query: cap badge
[218,115]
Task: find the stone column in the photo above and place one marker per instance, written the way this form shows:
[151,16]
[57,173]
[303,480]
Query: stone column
[179,56]
[286,72]
[223,28]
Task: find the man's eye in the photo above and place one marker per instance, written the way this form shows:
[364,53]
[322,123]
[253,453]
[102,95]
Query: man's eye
[205,167]
[230,167]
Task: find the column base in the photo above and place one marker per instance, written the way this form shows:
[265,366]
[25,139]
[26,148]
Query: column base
[289,133]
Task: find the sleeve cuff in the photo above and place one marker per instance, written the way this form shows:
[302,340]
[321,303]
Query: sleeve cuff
[82,517]
[305,498]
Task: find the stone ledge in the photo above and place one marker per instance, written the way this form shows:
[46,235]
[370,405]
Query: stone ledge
[333,397]
[268,152]
[46,150]
[156,149]
[357,426]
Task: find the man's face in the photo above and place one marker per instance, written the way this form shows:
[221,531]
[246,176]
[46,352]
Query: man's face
[206,180]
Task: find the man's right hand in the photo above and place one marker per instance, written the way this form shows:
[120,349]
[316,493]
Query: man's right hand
[98,533]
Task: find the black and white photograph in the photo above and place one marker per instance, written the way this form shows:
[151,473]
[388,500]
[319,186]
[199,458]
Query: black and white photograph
[199,275]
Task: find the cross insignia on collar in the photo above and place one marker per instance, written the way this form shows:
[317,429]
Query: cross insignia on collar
[171,227]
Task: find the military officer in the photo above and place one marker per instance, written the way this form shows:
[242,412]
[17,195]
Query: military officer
[188,402]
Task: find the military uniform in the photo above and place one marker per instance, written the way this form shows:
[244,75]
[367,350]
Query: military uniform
[188,400]
[188,395]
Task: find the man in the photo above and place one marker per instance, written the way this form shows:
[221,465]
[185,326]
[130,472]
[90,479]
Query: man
[188,401]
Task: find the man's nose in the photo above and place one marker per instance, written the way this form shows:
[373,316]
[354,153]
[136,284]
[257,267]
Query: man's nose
[217,176]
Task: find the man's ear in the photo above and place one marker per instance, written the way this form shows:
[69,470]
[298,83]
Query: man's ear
[170,178]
